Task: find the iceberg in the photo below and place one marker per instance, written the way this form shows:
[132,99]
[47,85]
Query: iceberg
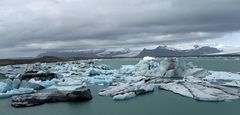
[65,88]
[28,100]
[124,91]
[201,92]
[124,96]
[9,85]
[19,91]
[235,83]
[111,90]
[70,81]
[2,87]
[172,74]
[45,84]
[176,88]
[102,80]
[167,68]
[26,84]
[16,83]
[93,72]
[219,75]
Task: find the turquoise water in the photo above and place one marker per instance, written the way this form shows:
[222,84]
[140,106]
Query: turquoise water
[230,64]
[159,102]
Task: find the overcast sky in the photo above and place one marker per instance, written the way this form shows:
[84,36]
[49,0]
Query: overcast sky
[28,27]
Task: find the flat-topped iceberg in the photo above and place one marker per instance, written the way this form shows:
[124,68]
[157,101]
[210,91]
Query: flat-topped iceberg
[123,91]
[201,92]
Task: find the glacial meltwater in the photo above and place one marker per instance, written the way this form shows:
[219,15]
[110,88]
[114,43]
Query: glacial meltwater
[159,102]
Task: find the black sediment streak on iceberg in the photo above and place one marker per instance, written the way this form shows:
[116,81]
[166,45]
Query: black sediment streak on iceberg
[28,100]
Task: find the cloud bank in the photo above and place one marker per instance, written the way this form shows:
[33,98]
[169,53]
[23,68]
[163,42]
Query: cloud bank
[28,27]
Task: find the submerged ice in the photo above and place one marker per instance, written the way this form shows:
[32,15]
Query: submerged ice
[125,83]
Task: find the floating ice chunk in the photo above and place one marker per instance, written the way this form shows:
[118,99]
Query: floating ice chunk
[102,79]
[19,91]
[173,67]
[46,83]
[142,68]
[133,78]
[148,87]
[168,67]
[124,96]
[70,81]
[93,72]
[176,88]
[196,72]
[218,75]
[193,79]
[235,83]
[124,91]
[2,87]
[101,82]
[111,90]
[169,73]
[65,88]
[16,83]
[26,84]
[9,84]
[202,92]
[127,69]
[68,84]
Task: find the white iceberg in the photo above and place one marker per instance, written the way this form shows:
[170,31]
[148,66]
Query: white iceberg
[46,83]
[219,75]
[124,96]
[176,88]
[123,91]
[19,91]
[111,90]
[66,88]
[200,92]
[168,67]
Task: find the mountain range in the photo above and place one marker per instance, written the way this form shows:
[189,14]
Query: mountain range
[160,51]
[166,51]
[86,53]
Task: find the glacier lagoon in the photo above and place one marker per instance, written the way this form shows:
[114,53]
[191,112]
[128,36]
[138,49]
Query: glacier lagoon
[157,102]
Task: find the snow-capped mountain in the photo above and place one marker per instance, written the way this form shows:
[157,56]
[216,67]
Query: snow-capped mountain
[113,52]
[86,53]
[167,51]
[157,52]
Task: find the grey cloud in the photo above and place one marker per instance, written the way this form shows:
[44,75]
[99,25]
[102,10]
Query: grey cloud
[80,24]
